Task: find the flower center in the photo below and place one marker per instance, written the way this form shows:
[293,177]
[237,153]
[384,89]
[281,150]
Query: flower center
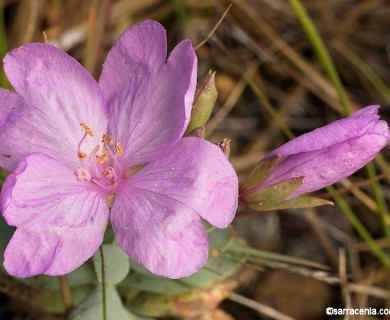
[101,166]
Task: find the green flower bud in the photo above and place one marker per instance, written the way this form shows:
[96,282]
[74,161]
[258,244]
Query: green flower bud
[205,97]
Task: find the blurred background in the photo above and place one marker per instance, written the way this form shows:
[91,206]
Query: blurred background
[271,87]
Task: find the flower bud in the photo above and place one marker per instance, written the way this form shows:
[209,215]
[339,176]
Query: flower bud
[318,158]
[205,97]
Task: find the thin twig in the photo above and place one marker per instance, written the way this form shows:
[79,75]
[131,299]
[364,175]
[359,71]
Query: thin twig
[104,301]
[66,295]
[262,308]
[214,29]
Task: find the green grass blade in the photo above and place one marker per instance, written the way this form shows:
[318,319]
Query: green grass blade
[321,52]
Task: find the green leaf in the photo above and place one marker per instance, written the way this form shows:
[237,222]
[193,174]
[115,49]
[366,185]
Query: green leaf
[152,283]
[217,267]
[92,307]
[116,264]
[260,172]
[220,239]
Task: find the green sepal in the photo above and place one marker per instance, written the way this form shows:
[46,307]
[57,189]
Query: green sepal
[260,173]
[272,195]
[205,97]
[302,202]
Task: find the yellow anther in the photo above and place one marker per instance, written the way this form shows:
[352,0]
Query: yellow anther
[81,155]
[94,152]
[107,139]
[104,157]
[87,129]
[118,148]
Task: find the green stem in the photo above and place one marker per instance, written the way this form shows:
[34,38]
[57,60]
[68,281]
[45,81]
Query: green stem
[104,300]
[378,195]
[322,53]
[65,293]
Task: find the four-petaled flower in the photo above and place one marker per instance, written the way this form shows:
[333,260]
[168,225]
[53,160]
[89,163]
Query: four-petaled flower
[82,153]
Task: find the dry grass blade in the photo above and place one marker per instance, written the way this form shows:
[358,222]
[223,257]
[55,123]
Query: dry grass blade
[259,307]
[212,31]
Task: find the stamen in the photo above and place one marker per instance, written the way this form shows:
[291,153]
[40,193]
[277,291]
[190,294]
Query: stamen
[103,157]
[107,139]
[87,129]
[94,152]
[81,155]
[118,148]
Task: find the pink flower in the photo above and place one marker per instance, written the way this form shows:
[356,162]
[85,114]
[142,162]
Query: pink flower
[75,146]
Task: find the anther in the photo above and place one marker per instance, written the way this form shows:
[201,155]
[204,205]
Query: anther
[118,148]
[87,129]
[81,155]
[103,157]
[94,152]
[107,139]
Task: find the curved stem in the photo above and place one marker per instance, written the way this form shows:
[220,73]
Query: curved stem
[104,302]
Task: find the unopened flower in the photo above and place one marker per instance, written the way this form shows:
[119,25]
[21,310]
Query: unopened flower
[319,158]
[83,153]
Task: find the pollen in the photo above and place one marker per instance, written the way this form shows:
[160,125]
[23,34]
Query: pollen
[118,148]
[87,129]
[104,157]
[107,139]
[81,155]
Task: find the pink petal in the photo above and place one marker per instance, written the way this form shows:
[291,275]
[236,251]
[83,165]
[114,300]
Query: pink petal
[198,174]
[163,235]
[56,95]
[152,110]
[155,213]
[336,132]
[61,219]
[140,50]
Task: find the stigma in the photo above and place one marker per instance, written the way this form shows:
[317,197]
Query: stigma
[101,166]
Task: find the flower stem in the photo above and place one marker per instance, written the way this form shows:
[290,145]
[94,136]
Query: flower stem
[65,293]
[104,302]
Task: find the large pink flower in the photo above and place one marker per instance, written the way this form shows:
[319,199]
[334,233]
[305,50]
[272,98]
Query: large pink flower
[75,146]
